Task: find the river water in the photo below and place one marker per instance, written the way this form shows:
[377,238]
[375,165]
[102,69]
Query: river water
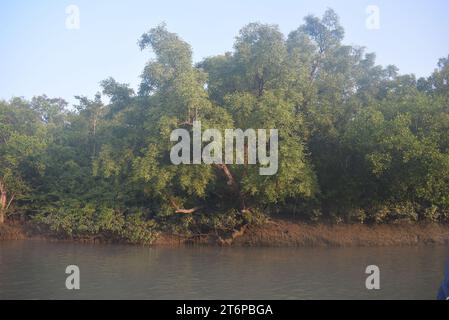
[36,270]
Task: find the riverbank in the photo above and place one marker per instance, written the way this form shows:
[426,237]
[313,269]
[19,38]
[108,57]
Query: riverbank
[280,233]
[13,232]
[286,234]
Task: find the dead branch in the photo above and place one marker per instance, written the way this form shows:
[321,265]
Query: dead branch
[188,211]
[183,211]
[10,201]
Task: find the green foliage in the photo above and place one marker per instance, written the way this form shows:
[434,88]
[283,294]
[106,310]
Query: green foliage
[357,142]
[96,222]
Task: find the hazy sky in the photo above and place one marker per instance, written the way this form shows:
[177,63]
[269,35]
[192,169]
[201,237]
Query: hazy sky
[40,55]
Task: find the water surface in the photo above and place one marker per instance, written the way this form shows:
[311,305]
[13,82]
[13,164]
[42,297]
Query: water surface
[36,270]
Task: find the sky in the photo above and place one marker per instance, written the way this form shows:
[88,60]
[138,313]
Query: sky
[40,53]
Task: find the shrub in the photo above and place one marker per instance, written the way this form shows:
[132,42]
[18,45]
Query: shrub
[90,221]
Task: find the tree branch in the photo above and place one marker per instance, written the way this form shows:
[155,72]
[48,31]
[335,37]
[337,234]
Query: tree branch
[10,201]
[186,123]
[227,173]
[188,211]
[183,211]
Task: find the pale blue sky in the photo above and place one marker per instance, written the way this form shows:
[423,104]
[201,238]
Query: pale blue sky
[39,55]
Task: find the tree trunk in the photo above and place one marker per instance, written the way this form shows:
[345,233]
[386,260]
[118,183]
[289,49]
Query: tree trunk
[231,182]
[3,204]
[2,207]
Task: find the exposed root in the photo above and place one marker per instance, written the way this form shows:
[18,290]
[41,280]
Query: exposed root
[234,235]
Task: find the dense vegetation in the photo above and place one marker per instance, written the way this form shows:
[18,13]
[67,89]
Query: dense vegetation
[358,142]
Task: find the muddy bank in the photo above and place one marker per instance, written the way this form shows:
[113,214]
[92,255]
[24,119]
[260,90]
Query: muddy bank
[13,232]
[280,233]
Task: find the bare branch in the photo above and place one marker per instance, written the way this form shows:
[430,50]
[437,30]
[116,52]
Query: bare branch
[227,173]
[10,201]
[183,211]
[188,211]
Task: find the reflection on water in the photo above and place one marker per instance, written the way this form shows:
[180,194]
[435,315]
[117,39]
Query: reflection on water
[36,270]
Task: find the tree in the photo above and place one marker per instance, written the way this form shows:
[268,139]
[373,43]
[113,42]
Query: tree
[357,141]
[23,139]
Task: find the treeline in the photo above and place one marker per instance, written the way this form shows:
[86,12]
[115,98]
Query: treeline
[357,142]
